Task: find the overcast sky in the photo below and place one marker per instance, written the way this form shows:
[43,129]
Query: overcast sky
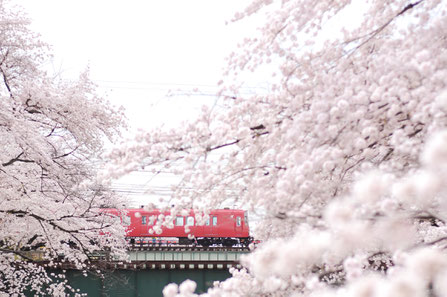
[139,50]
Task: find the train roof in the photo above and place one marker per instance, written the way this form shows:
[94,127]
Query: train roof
[223,210]
[211,211]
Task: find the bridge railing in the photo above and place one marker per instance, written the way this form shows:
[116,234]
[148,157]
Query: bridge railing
[162,257]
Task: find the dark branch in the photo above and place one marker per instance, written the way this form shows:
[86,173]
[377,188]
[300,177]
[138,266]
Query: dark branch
[17,159]
[66,154]
[5,80]
[223,145]
[381,28]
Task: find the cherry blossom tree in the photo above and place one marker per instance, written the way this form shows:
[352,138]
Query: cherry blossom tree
[335,157]
[51,133]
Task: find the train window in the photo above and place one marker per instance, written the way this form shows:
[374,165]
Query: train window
[143,220]
[190,221]
[179,221]
[207,223]
[152,220]
[238,221]
[126,220]
[214,221]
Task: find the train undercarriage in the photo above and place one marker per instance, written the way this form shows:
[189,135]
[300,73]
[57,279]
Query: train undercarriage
[185,241]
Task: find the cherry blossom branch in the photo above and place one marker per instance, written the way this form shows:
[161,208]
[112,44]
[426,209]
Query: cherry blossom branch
[381,28]
[17,159]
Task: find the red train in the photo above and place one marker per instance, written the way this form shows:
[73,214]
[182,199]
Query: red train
[226,227]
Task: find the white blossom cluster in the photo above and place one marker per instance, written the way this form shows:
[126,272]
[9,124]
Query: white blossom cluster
[364,247]
[335,155]
[51,135]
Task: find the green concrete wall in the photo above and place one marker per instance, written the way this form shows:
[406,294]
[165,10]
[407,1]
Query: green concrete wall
[140,283]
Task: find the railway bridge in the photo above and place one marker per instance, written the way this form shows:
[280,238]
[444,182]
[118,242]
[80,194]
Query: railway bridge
[151,268]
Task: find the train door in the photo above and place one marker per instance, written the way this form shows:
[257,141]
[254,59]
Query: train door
[214,225]
[211,226]
[238,224]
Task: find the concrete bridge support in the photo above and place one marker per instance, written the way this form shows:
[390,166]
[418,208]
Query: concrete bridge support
[141,283]
[151,269]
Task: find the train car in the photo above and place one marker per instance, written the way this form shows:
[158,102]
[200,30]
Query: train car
[226,227]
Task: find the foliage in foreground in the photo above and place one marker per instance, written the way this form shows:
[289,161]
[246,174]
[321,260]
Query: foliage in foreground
[332,154]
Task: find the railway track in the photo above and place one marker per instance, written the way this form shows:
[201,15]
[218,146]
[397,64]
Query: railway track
[179,248]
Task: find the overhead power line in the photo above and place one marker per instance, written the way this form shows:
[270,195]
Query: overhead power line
[196,89]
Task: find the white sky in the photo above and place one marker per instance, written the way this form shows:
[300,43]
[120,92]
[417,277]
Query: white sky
[137,51]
